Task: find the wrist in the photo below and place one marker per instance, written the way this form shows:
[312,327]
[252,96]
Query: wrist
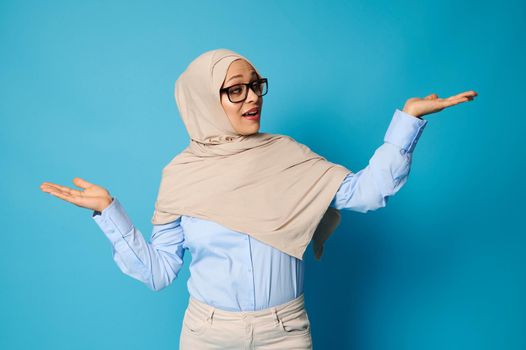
[411,113]
[106,203]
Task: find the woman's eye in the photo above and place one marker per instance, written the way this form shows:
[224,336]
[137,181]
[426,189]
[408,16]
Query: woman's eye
[235,90]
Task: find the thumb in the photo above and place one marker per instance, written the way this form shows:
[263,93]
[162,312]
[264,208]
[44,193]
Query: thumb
[81,183]
[431,97]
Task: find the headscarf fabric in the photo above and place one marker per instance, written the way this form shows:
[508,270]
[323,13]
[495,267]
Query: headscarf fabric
[268,186]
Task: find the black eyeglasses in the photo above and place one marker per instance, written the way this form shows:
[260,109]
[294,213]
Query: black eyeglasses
[239,92]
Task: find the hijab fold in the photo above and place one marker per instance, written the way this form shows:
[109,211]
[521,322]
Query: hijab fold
[268,186]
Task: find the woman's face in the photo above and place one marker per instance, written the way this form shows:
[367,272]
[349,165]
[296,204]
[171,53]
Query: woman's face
[240,71]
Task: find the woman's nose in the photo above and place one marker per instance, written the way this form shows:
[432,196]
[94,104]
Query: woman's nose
[251,96]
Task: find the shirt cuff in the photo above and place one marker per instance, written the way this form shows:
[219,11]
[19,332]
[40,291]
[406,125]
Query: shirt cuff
[404,130]
[114,221]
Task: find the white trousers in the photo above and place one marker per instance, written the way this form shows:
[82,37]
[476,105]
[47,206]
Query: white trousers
[284,326]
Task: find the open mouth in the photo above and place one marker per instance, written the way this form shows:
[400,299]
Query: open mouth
[252,114]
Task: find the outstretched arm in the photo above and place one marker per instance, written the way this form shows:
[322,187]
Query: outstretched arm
[155,263]
[389,168]
[387,171]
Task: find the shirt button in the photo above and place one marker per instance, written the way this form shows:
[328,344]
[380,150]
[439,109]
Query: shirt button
[249,270]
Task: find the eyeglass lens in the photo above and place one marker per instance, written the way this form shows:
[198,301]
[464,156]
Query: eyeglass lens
[238,93]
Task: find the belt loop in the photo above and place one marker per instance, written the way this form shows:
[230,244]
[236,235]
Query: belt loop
[276,314]
[211,315]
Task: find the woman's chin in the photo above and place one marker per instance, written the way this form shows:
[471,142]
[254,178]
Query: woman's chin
[249,131]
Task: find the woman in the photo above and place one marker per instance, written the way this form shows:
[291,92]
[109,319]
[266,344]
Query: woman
[246,204]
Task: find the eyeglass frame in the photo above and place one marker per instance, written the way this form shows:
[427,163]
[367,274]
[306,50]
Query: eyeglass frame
[248,86]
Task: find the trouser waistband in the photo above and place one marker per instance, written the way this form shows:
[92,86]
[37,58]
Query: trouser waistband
[201,309]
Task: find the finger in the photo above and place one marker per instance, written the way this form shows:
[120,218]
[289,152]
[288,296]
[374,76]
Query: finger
[453,101]
[431,97]
[47,183]
[64,196]
[46,187]
[470,93]
[462,99]
[53,187]
[65,189]
[82,183]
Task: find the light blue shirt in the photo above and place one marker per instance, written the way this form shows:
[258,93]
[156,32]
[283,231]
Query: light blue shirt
[233,271]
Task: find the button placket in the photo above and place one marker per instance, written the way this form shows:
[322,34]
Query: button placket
[251,302]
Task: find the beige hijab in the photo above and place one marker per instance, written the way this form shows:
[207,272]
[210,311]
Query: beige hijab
[266,185]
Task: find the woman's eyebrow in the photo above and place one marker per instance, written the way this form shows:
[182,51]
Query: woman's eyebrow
[240,75]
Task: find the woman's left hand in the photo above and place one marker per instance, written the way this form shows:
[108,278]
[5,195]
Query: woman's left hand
[418,107]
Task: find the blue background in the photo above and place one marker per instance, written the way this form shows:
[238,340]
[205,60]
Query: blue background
[87,91]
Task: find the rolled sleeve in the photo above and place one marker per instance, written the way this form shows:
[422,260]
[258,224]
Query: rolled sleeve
[404,131]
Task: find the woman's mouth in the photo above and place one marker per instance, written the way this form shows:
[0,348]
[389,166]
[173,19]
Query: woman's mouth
[252,114]
[252,117]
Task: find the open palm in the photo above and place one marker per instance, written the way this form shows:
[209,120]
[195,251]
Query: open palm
[432,103]
[91,196]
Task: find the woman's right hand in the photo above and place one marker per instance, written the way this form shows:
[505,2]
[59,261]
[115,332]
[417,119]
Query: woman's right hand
[92,196]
